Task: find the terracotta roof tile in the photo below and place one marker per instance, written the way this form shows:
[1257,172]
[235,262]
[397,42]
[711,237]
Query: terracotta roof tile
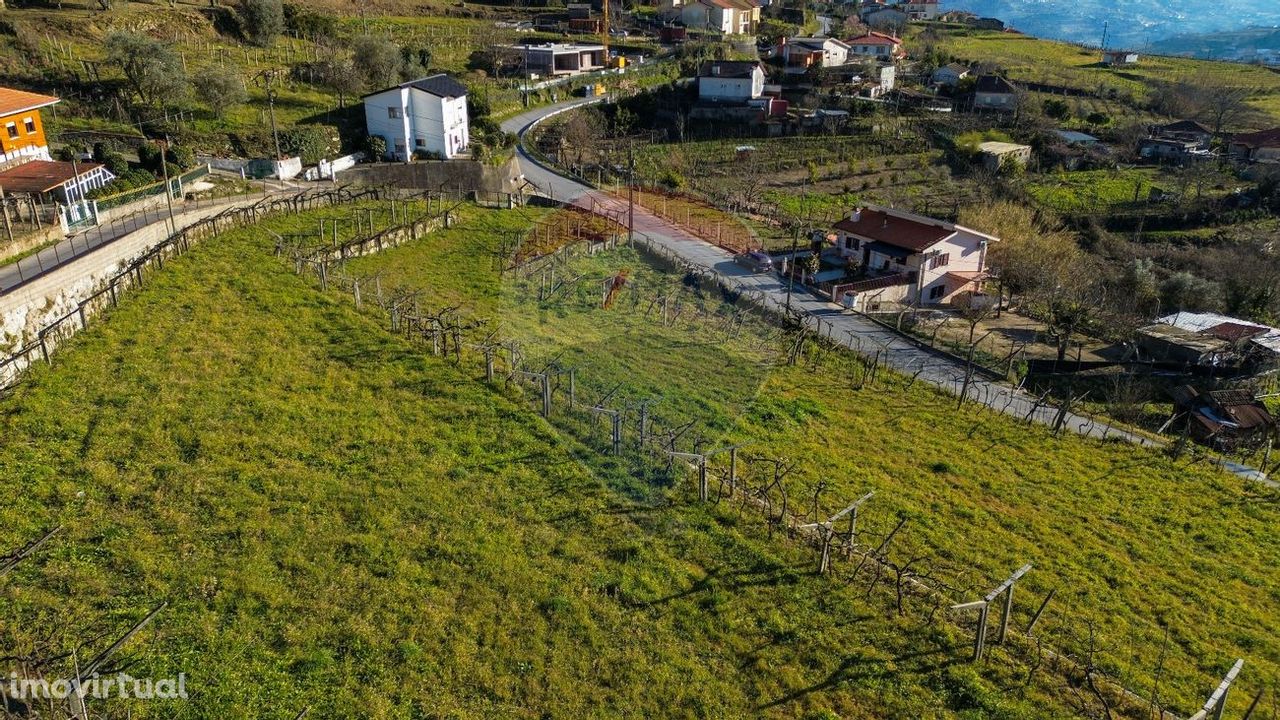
[16,101]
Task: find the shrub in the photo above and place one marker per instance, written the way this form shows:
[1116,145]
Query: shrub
[261,21]
[375,147]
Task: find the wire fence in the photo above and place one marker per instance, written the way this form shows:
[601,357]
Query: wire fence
[107,293]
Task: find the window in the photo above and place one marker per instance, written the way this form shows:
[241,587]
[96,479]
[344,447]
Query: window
[419,142]
[937,291]
[938,261]
[13,130]
[31,125]
[394,113]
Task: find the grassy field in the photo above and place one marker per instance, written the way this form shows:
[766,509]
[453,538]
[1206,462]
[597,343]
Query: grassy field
[1059,63]
[1133,543]
[330,513]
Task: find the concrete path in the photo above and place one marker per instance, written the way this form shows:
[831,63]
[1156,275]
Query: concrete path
[842,326]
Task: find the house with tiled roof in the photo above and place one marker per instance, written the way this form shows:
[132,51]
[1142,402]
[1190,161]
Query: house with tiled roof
[1261,146]
[910,259]
[802,53]
[877,45]
[730,80]
[26,168]
[992,92]
[22,138]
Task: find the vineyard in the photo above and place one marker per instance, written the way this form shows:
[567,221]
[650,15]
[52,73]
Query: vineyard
[1072,66]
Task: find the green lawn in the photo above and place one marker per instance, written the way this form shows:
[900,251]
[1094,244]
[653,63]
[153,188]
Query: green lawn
[342,523]
[329,512]
[1131,541]
[1059,63]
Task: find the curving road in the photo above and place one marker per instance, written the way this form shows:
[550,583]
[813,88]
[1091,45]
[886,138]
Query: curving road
[850,329]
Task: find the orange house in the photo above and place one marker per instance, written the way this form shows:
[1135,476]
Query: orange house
[21,129]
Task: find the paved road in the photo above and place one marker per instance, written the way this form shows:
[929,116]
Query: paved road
[847,328]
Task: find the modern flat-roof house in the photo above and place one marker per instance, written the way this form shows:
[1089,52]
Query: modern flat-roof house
[993,92]
[561,59]
[22,138]
[428,115]
[730,80]
[731,17]
[802,53]
[997,155]
[911,259]
[54,181]
[877,45]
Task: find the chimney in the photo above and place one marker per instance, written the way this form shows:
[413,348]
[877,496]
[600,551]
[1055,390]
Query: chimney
[715,69]
[856,215]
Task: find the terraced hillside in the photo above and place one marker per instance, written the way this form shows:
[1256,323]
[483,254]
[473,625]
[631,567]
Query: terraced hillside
[341,521]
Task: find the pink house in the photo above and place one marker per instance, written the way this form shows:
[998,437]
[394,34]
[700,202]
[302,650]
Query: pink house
[910,259]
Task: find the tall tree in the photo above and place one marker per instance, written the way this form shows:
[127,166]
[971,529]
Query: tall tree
[152,69]
[377,61]
[219,88]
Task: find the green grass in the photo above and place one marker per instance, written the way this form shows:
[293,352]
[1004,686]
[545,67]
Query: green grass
[1132,541]
[1091,190]
[1051,62]
[342,523]
[330,512]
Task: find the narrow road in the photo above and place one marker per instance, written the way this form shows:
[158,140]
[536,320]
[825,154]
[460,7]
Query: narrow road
[842,326]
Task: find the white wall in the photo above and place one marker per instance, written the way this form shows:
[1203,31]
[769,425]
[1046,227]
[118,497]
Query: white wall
[381,124]
[716,88]
[441,123]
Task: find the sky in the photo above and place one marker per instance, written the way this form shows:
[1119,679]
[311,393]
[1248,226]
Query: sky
[1131,23]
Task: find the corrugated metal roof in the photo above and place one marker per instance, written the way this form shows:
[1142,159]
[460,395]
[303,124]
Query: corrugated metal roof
[1199,322]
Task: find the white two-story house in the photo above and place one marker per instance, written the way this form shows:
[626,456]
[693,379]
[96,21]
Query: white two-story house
[427,116]
[911,259]
[731,17]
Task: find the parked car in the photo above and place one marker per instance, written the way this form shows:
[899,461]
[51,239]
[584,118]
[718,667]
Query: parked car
[755,261]
[618,33]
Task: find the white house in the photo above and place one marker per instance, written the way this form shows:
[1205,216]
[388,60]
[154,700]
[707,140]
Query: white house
[731,17]
[807,52]
[877,45]
[911,259]
[921,9]
[949,75]
[428,115]
[730,80]
[561,59]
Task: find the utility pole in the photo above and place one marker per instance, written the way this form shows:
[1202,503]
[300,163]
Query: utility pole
[791,264]
[168,189]
[631,187]
[267,80]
